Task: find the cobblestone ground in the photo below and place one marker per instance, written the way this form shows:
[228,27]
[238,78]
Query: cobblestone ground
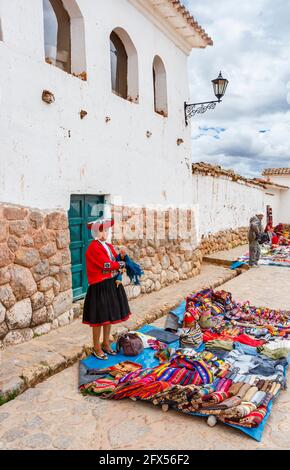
[54,415]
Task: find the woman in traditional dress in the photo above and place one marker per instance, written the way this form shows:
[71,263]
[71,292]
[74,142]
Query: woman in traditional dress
[106,301]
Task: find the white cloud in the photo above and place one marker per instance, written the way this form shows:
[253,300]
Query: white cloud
[251,47]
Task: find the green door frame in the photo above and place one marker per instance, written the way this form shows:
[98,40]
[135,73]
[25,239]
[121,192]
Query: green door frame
[79,215]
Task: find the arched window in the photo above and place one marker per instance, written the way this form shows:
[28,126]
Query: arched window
[160,87]
[64,36]
[124,66]
[119,66]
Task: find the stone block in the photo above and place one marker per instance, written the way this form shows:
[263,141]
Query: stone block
[6,296]
[41,270]
[64,319]
[48,250]
[17,337]
[27,257]
[40,238]
[4,276]
[4,230]
[39,317]
[28,241]
[150,251]
[13,385]
[52,235]
[188,255]
[53,270]
[22,282]
[13,244]
[57,221]
[62,303]
[156,268]
[182,275]
[64,278]
[66,256]
[19,228]
[54,324]
[49,297]
[56,260]
[3,330]
[50,313]
[165,262]
[72,353]
[37,300]
[186,267]
[42,329]
[62,239]
[36,219]
[46,284]
[6,256]
[163,277]
[2,312]
[35,374]
[56,287]
[135,291]
[14,213]
[157,286]
[19,316]
[77,310]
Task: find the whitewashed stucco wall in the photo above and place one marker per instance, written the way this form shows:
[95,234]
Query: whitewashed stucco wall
[284,206]
[223,204]
[49,153]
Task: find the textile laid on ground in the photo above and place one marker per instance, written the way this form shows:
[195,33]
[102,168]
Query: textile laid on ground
[234,375]
[272,256]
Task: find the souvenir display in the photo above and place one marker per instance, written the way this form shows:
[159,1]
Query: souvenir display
[228,363]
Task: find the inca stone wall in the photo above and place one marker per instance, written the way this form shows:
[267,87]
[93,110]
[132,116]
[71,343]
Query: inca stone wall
[225,240]
[165,257]
[35,263]
[35,274]
[35,267]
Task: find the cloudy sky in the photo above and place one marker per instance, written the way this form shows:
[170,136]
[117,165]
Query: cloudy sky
[250,130]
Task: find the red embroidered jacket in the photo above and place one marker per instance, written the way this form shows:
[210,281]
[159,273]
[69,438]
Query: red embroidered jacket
[99,265]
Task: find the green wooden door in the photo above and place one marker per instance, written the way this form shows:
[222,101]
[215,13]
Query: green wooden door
[83,209]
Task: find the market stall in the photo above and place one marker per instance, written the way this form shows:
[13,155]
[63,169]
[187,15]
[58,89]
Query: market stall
[216,358]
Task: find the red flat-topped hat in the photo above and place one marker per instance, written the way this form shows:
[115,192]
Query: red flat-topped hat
[101,225]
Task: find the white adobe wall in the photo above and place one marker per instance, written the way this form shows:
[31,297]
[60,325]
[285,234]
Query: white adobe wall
[49,153]
[283,216]
[224,204]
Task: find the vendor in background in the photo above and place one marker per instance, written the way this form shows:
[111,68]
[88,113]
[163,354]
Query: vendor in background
[279,230]
[255,231]
[106,303]
[270,232]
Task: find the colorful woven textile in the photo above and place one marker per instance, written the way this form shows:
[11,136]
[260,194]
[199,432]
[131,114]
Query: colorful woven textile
[272,256]
[235,375]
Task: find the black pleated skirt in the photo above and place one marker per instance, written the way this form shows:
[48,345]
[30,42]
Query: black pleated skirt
[106,304]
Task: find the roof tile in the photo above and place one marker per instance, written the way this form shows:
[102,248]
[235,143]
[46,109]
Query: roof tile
[276,171]
[180,8]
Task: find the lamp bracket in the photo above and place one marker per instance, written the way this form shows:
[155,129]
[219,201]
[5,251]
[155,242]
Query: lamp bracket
[192,109]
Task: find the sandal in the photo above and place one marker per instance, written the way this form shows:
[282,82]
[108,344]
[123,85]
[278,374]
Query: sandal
[109,351]
[102,357]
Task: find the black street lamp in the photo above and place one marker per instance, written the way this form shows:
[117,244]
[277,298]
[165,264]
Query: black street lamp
[219,86]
